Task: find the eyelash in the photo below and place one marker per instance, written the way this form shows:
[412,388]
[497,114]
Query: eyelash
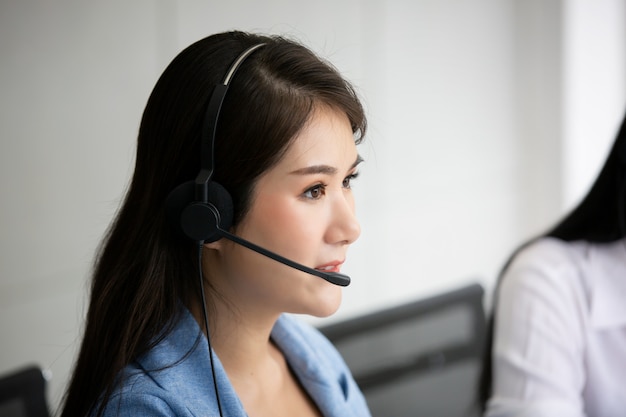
[350,178]
[322,187]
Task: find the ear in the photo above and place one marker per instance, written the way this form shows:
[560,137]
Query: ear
[216,245]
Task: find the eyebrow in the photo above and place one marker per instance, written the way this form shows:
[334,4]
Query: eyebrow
[323,169]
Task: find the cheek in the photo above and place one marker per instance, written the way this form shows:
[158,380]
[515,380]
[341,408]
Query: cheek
[279,221]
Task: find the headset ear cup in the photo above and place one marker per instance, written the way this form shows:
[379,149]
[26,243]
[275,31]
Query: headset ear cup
[199,221]
[222,201]
[179,198]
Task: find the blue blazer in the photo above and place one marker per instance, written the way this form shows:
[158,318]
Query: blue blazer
[174,378]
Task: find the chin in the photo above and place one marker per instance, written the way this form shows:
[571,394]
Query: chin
[323,315]
[327,304]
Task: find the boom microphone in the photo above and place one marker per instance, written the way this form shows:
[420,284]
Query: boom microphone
[207,222]
[332,277]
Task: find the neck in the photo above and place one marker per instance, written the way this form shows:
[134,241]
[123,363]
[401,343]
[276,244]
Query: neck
[241,339]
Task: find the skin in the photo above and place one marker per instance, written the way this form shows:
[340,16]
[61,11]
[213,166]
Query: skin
[302,208]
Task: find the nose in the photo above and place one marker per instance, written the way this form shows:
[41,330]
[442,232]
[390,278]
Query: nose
[344,227]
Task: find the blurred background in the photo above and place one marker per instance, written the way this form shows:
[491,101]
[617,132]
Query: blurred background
[489,119]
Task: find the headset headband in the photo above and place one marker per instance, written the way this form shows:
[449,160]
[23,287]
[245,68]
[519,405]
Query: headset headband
[209,127]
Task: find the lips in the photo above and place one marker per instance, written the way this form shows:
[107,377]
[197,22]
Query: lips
[330,267]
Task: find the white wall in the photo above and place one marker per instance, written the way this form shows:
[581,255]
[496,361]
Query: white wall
[469,150]
[594,84]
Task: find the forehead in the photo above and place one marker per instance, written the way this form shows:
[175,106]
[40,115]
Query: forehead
[327,138]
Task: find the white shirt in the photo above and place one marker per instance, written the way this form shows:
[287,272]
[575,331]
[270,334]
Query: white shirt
[560,332]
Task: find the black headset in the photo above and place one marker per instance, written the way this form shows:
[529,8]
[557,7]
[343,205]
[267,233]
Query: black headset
[200,208]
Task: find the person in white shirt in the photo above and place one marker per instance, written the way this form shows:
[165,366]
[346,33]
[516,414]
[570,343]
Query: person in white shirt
[556,344]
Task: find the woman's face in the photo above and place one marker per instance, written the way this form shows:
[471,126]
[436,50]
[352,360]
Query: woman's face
[302,209]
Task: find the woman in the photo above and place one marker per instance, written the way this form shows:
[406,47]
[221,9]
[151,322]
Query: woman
[558,333]
[245,140]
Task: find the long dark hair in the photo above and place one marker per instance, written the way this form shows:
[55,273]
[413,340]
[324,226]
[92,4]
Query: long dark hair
[599,217]
[143,269]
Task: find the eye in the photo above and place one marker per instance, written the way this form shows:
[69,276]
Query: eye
[316,192]
[347,181]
